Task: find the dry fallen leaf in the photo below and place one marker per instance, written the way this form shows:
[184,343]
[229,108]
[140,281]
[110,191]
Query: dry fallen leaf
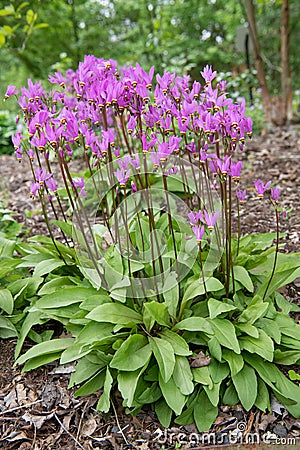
[200,360]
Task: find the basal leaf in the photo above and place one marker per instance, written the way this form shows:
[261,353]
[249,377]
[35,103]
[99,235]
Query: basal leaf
[7,329]
[172,394]
[205,412]
[127,383]
[164,355]
[262,401]
[48,347]
[245,383]
[6,301]
[115,313]
[254,311]
[202,376]
[179,345]
[65,297]
[163,412]
[213,394]
[235,361]
[224,332]
[262,346]
[194,324]
[104,401]
[242,275]
[94,384]
[134,353]
[216,307]
[197,288]
[158,312]
[183,376]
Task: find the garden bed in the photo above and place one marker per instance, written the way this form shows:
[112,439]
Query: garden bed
[38,411]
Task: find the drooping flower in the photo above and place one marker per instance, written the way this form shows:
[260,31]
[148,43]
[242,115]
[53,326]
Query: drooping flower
[210,219]
[122,176]
[34,188]
[79,183]
[261,187]
[235,171]
[198,231]
[11,90]
[241,195]
[275,193]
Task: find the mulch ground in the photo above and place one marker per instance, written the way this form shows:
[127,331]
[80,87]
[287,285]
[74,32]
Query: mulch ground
[38,411]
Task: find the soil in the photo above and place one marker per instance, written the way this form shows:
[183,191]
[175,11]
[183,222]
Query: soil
[38,411]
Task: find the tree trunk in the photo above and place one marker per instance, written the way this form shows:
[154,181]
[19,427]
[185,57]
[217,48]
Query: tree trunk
[261,74]
[286,88]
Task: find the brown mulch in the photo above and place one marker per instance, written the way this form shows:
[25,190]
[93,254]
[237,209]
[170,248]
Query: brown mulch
[38,411]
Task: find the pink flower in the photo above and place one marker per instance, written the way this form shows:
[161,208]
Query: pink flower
[210,219]
[235,171]
[261,187]
[11,90]
[275,193]
[122,176]
[198,231]
[241,195]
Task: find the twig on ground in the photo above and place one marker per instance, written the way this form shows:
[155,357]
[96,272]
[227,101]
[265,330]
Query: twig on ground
[68,432]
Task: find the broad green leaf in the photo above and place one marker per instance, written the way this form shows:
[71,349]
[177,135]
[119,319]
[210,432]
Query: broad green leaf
[245,383]
[214,393]
[104,401]
[7,248]
[216,307]
[254,311]
[224,332]
[32,318]
[127,384]
[6,12]
[262,346]
[242,275]
[235,361]
[293,375]
[40,360]
[85,368]
[183,376]
[6,301]
[194,324]
[218,371]
[179,345]
[202,375]
[215,348]
[7,329]
[163,412]
[7,266]
[45,267]
[197,288]
[288,357]
[230,396]
[115,313]
[55,284]
[247,329]
[155,312]
[93,385]
[150,394]
[64,297]
[270,328]
[262,401]
[48,347]
[164,355]
[204,412]
[172,394]
[134,353]
[281,278]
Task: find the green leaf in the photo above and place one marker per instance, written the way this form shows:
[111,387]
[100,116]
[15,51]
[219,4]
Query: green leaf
[64,297]
[115,313]
[45,267]
[54,285]
[164,355]
[293,375]
[262,346]
[48,347]
[197,288]
[262,401]
[93,385]
[127,384]
[245,383]
[104,401]
[31,17]
[242,275]
[289,357]
[6,12]
[215,348]
[134,353]
[236,362]
[179,345]
[204,412]
[254,311]
[32,318]
[214,393]
[7,248]
[247,329]
[87,368]
[183,376]
[40,360]
[6,301]
[155,312]
[216,307]
[172,394]
[163,412]
[194,324]
[224,332]
[7,329]
[230,396]
[202,376]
